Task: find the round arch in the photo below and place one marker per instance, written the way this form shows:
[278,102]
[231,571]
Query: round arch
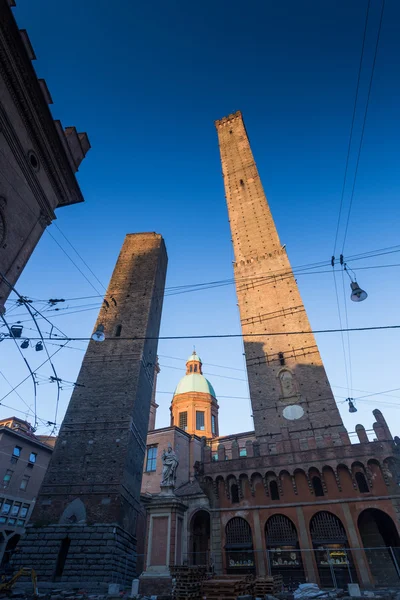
[334,560]
[199,551]
[239,546]
[381,543]
[284,556]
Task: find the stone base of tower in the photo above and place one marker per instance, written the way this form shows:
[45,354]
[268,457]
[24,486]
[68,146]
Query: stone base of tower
[74,554]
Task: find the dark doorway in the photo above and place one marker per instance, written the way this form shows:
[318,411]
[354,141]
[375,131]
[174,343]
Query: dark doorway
[200,532]
[332,554]
[381,545]
[61,558]
[10,549]
[284,556]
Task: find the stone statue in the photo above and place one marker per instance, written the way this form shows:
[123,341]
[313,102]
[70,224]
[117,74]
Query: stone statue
[287,384]
[170,464]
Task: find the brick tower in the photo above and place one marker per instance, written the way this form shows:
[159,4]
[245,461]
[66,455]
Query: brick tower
[291,396]
[83,526]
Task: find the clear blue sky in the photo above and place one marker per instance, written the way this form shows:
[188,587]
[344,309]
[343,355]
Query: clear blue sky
[146,81]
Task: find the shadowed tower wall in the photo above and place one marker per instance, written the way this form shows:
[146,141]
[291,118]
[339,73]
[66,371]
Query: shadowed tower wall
[83,526]
[291,396]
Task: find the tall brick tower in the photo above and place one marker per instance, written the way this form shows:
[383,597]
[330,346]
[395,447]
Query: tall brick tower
[290,394]
[83,526]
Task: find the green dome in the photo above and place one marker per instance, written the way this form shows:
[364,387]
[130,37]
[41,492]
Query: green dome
[194,382]
[194,356]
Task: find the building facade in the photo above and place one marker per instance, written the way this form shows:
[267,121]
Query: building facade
[83,527]
[294,496]
[38,158]
[24,458]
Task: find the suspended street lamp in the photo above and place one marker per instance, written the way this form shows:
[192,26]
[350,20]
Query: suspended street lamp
[352,408]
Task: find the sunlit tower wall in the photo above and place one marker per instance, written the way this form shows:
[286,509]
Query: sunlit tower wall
[290,393]
[83,526]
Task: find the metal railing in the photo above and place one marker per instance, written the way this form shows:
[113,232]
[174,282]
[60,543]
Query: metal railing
[330,567]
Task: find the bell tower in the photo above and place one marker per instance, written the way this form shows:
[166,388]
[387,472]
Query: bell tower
[194,406]
[290,394]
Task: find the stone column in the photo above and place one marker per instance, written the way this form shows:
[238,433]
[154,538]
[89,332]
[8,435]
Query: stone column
[258,545]
[164,546]
[307,556]
[354,542]
[216,541]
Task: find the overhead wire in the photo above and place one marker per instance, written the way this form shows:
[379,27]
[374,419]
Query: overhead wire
[351,128]
[28,308]
[363,125]
[227,335]
[31,373]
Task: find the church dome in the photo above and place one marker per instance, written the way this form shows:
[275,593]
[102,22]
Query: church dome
[194,382]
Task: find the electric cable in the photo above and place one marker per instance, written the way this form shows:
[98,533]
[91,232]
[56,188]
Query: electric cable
[351,128]
[31,373]
[223,335]
[28,308]
[363,125]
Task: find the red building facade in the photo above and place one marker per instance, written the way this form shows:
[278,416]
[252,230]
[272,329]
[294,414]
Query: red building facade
[295,496]
[301,494]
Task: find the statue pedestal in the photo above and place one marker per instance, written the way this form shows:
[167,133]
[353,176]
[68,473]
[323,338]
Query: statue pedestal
[165,514]
[167,490]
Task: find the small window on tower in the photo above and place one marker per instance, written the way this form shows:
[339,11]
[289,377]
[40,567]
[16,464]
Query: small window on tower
[183,420]
[281,358]
[118,331]
[191,369]
[199,420]
[195,368]
[213,424]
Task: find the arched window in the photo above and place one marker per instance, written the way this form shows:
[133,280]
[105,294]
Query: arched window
[118,331]
[317,486]
[283,549]
[361,482]
[239,546]
[273,490]
[195,368]
[234,493]
[191,368]
[331,546]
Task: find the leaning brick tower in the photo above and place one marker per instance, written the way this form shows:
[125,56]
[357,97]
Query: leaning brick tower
[83,526]
[290,394]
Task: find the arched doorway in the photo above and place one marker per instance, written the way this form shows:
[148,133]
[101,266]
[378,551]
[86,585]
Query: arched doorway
[334,560]
[200,538]
[239,547]
[381,543]
[10,549]
[284,556]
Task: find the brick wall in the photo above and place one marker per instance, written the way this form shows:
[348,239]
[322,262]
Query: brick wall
[100,450]
[283,370]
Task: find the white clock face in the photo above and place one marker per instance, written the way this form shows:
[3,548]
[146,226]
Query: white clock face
[293,412]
